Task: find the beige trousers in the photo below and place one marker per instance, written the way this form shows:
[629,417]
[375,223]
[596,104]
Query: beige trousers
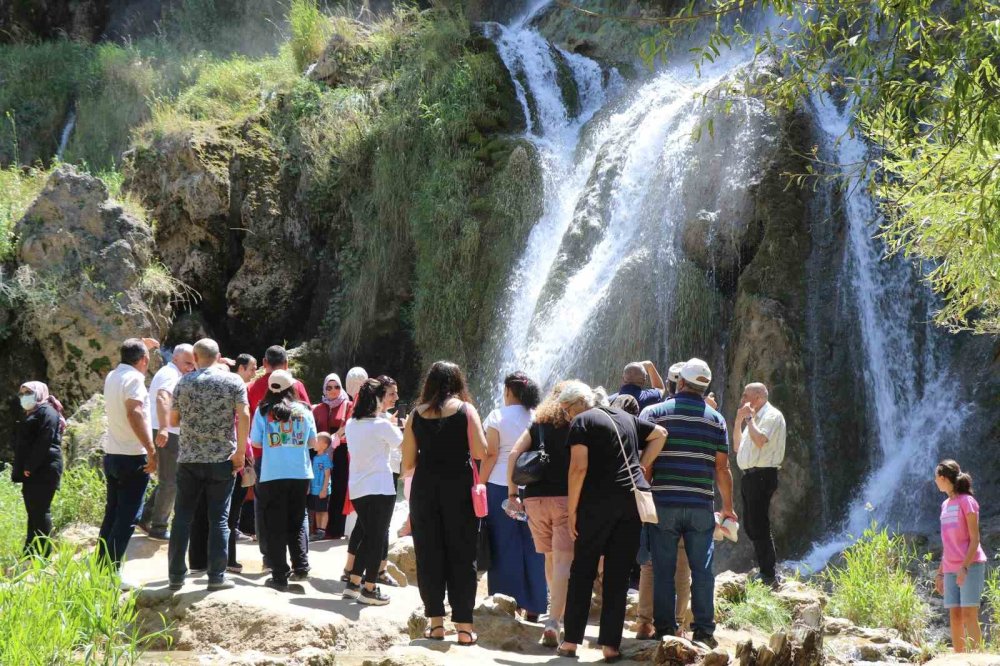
[682,581]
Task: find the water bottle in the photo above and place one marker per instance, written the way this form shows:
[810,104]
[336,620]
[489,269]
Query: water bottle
[511,511]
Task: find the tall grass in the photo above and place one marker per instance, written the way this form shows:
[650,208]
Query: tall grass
[310,30]
[755,607]
[80,498]
[992,595]
[874,588]
[68,610]
[18,188]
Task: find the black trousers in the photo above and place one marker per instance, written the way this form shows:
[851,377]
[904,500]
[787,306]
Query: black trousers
[374,513]
[283,503]
[38,504]
[336,520]
[198,546]
[358,532]
[445,535]
[607,526]
[758,487]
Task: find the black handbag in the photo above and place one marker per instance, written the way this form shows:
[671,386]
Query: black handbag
[530,465]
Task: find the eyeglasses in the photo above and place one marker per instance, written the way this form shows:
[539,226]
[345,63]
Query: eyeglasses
[330,387]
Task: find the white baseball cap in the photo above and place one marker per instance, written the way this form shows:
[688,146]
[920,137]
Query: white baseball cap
[674,373]
[697,372]
[280,380]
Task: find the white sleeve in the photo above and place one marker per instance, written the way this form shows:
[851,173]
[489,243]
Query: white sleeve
[134,388]
[492,420]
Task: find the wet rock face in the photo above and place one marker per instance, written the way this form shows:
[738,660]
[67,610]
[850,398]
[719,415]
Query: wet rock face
[84,281]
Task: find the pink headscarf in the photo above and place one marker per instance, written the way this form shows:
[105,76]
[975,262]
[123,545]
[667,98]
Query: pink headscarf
[42,396]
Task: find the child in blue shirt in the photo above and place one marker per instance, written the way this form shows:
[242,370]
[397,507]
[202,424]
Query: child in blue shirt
[319,488]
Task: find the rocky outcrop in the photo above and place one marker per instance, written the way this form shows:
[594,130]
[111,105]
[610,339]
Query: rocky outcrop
[86,281]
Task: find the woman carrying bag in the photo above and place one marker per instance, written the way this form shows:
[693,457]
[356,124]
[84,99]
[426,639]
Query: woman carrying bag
[609,499]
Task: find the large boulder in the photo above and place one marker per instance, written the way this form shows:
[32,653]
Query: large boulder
[87,281]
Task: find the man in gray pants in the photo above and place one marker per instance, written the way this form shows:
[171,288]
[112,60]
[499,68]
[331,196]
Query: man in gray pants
[156,514]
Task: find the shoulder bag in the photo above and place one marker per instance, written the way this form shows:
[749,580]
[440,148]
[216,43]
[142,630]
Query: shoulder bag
[479,504]
[530,465]
[643,498]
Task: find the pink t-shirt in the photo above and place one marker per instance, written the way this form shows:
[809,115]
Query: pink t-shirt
[955,532]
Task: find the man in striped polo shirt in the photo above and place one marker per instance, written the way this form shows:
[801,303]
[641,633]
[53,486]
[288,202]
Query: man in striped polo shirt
[694,459]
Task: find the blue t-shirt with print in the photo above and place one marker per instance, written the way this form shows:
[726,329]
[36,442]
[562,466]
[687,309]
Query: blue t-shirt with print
[321,462]
[285,444]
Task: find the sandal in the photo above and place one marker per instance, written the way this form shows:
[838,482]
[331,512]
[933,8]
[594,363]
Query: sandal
[645,632]
[345,577]
[473,638]
[568,654]
[429,633]
[613,658]
[550,638]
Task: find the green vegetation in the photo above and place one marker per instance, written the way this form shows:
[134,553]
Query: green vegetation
[874,588]
[19,188]
[924,84]
[310,30]
[755,607]
[991,633]
[80,498]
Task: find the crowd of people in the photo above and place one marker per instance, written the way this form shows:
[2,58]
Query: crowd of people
[548,494]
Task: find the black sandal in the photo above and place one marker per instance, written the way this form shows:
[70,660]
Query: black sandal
[345,577]
[474,638]
[429,633]
[568,654]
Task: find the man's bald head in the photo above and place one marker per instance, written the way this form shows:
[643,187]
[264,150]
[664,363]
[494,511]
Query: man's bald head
[634,373]
[206,352]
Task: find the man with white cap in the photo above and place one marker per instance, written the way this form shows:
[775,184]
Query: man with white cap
[694,460]
[759,443]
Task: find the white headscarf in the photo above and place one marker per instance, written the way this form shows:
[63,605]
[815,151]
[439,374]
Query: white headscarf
[356,376]
[334,402]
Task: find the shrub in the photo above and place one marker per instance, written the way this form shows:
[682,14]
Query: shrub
[13,520]
[874,588]
[68,610]
[992,637]
[756,607]
[18,188]
[310,30]
[80,498]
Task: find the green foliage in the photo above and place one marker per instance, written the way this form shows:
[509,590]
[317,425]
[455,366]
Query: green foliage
[80,498]
[68,610]
[18,188]
[756,607]
[992,596]
[13,521]
[923,81]
[874,588]
[310,30]
[230,90]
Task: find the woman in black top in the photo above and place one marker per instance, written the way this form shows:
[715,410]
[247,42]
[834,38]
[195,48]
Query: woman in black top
[545,504]
[38,461]
[602,472]
[443,437]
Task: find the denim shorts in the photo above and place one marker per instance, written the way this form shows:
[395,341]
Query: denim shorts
[969,594]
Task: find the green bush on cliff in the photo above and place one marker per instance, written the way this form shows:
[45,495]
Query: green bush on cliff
[18,188]
[873,588]
[310,29]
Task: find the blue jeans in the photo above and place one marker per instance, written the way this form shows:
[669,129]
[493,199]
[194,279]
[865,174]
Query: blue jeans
[126,483]
[215,480]
[695,526]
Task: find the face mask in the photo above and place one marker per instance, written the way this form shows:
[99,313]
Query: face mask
[28,402]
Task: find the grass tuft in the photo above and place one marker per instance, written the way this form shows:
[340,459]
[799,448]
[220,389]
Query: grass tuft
[874,587]
[756,607]
[991,638]
[310,30]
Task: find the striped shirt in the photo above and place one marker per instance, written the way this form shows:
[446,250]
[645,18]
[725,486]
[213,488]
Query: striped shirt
[684,472]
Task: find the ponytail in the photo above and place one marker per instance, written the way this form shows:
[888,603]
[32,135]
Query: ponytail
[366,400]
[278,405]
[960,481]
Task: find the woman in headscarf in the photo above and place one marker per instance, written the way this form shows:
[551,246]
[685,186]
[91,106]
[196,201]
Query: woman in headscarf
[331,414]
[38,461]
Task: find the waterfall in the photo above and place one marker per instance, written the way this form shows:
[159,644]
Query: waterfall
[908,385]
[66,132]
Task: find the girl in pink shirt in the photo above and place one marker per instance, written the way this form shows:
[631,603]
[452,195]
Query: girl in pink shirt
[962,574]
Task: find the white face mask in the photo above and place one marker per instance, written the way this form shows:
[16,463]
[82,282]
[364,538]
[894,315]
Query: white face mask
[28,402]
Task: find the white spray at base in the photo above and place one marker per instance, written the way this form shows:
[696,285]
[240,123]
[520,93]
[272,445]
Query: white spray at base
[912,409]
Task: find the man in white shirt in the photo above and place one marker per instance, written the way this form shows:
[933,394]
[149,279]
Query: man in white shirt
[759,442]
[129,454]
[156,515]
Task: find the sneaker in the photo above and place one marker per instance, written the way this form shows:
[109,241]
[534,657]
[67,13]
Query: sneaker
[385,578]
[352,591]
[317,536]
[299,575]
[224,584]
[197,572]
[159,535]
[373,597]
[276,585]
[705,639]
[235,568]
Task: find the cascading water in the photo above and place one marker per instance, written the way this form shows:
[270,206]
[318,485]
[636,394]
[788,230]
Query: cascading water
[910,412]
[67,131]
[617,185]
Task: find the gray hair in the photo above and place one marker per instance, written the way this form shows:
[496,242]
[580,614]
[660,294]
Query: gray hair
[758,388]
[206,351]
[183,348]
[574,390]
[635,373]
[132,351]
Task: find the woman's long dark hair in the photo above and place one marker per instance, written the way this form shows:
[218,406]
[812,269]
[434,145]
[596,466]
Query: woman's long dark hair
[444,380]
[525,390]
[366,401]
[962,481]
[278,405]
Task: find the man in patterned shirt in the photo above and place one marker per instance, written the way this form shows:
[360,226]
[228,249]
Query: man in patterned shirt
[206,403]
[694,459]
